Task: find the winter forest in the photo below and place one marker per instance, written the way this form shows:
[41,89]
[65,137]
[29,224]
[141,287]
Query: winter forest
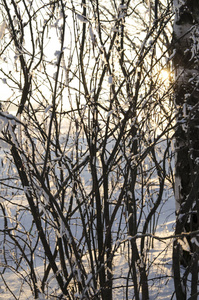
[99,149]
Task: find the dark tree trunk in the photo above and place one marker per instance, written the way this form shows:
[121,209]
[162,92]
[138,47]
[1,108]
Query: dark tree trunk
[186,63]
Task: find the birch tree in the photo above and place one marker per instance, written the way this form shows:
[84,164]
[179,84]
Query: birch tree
[186,63]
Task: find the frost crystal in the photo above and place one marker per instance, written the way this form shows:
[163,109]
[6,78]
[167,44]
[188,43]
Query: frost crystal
[197,160]
[48,108]
[4,80]
[172,55]
[89,278]
[82,19]
[110,79]
[195,241]
[27,190]
[92,35]
[2,29]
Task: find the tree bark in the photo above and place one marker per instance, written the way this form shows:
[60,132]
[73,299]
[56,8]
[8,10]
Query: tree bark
[186,64]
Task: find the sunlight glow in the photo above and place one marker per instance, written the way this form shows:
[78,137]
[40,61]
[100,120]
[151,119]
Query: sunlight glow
[164,75]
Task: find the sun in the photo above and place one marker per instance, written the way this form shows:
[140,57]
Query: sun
[164,75]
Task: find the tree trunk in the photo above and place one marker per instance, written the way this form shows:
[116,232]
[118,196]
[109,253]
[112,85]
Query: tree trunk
[186,64]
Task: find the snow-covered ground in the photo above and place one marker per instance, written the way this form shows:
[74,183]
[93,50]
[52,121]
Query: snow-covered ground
[160,272]
[160,276]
